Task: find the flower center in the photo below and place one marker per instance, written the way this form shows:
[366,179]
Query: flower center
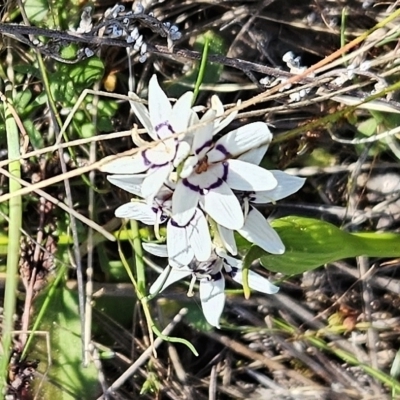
[202,166]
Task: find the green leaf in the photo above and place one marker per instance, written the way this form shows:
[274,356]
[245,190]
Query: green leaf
[311,243]
[67,378]
[36,10]
[87,72]
[22,99]
[69,52]
[106,107]
[368,127]
[87,130]
[34,134]
[28,69]
[151,385]
[104,124]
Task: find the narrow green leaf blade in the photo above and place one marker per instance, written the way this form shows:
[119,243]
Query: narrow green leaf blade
[309,243]
[67,378]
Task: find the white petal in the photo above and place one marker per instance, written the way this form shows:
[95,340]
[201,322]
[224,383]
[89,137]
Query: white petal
[256,282]
[202,137]
[137,211]
[287,185]
[126,165]
[223,207]
[158,250]
[159,106]
[188,166]
[181,112]
[254,156]
[228,238]
[257,230]
[199,236]
[230,261]
[221,123]
[168,277]
[239,141]
[130,183]
[161,153]
[154,181]
[217,105]
[182,152]
[184,203]
[249,177]
[178,246]
[193,120]
[212,297]
[142,113]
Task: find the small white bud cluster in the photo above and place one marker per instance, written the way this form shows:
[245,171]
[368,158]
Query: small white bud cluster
[295,67]
[85,24]
[125,28]
[356,68]
[118,23]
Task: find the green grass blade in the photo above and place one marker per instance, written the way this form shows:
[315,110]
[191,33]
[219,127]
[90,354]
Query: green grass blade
[14,234]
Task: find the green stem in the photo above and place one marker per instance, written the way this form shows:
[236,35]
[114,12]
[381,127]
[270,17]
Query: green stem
[14,235]
[139,264]
[145,306]
[202,68]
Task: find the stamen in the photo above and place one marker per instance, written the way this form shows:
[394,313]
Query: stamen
[190,292]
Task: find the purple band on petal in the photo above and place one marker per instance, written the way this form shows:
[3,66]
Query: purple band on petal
[226,170]
[174,223]
[214,185]
[233,272]
[146,160]
[157,166]
[195,188]
[217,276]
[198,189]
[161,125]
[223,150]
[205,144]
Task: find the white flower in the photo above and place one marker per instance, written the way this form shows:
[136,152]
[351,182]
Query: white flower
[210,275]
[184,242]
[256,228]
[149,214]
[161,121]
[210,174]
[188,241]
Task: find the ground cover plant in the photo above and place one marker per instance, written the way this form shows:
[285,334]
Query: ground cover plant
[199,200]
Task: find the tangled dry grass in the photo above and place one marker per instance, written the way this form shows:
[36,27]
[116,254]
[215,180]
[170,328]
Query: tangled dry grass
[331,333]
